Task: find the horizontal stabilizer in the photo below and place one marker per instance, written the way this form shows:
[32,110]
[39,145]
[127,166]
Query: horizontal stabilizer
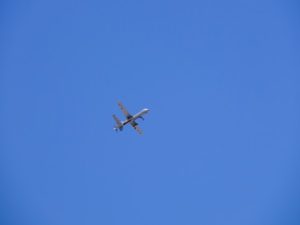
[118,122]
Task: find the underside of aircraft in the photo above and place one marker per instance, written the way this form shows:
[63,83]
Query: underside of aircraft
[130,119]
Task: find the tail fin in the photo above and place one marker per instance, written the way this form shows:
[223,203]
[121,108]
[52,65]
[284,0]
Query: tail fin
[118,122]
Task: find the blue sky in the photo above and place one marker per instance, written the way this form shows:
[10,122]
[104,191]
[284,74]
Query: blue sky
[220,145]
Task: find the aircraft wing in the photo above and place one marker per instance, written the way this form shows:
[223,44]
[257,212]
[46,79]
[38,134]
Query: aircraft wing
[136,127]
[124,110]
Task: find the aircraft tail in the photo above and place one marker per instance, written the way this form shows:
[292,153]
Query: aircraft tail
[119,125]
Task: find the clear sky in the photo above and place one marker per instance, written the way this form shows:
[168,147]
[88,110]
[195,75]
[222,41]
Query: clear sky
[221,142]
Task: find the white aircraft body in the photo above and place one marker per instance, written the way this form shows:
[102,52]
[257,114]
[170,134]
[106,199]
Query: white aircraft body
[131,119]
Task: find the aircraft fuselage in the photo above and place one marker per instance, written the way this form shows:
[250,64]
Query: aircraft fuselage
[131,119]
